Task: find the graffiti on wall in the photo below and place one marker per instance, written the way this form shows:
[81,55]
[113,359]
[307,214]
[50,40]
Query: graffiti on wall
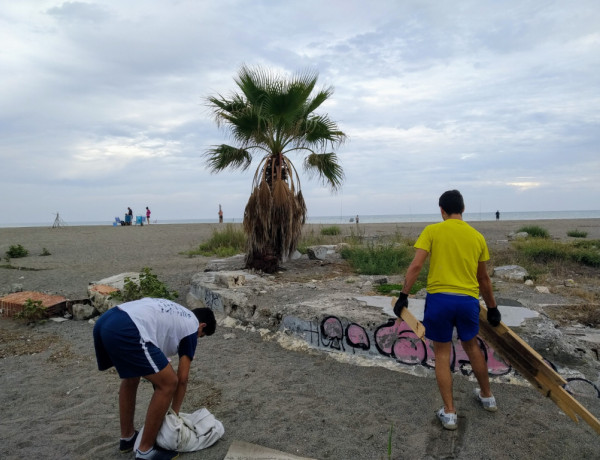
[395,340]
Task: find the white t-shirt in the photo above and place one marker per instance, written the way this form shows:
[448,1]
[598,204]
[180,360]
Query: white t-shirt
[162,322]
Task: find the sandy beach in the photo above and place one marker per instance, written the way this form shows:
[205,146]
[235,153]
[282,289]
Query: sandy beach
[56,404]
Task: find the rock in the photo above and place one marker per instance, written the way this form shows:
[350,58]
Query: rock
[16,287]
[237,262]
[542,289]
[99,295]
[529,282]
[296,255]
[230,279]
[317,252]
[570,283]
[518,236]
[511,272]
[100,292]
[83,312]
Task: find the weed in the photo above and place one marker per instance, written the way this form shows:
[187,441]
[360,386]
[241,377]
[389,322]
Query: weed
[149,286]
[223,243]
[33,311]
[315,239]
[535,231]
[45,252]
[389,446]
[378,260]
[544,251]
[331,231]
[577,234]
[16,251]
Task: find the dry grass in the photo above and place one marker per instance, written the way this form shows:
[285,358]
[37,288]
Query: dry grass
[587,314]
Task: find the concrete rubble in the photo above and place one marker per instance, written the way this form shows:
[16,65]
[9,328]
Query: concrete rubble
[299,311]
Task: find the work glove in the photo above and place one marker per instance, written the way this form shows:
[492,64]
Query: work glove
[401,303]
[493,316]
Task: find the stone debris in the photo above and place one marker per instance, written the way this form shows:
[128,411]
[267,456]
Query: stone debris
[511,272]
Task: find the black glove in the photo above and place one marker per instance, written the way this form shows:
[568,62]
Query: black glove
[401,303]
[493,316]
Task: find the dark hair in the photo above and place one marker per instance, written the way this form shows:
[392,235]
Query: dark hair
[206,316]
[452,202]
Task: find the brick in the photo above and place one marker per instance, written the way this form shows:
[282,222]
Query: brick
[12,304]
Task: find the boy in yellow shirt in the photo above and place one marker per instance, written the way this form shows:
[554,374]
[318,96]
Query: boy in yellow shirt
[457,275]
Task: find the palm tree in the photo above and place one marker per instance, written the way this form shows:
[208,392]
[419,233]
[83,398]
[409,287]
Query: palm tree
[271,117]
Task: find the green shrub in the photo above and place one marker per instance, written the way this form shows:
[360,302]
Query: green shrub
[545,251]
[312,238]
[33,311]
[378,260]
[541,250]
[223,243]
[587,244]
[577,234]
[149,286]
[331,231]
[535,231]
[45,252]
[589,257]
[16,251]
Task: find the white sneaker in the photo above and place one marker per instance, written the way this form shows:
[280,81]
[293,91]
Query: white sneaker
[448,420]
[488,404]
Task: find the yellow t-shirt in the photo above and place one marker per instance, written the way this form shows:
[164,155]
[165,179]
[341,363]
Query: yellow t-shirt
[455,250]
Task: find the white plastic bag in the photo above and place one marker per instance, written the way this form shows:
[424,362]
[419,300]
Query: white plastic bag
[187,432]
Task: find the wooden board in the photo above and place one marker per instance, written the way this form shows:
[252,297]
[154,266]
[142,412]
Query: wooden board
[410,319]
[525,360]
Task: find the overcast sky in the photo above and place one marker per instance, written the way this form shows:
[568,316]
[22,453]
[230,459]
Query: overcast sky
[103,104]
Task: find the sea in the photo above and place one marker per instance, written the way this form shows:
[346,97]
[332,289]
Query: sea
[363,219]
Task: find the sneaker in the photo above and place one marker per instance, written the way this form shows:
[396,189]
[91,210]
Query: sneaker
[127,446]
[157,453]
[448,420]
[488,404]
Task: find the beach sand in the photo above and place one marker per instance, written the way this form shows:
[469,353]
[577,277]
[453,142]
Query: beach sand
[56,404]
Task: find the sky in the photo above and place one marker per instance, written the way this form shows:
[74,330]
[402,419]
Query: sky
[103,105]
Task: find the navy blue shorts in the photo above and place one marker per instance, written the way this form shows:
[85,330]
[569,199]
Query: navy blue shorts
[118,343]
[443,312]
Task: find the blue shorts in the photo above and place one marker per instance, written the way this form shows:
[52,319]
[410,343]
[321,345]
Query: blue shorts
[443,312]
[118,343]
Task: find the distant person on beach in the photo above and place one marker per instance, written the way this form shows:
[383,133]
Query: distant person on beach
[147,215]
[457,275]
[497,215]
[129,216]
[137,338]
[220,215]
[357,218]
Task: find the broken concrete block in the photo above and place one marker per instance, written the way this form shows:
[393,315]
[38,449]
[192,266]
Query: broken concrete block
[82,312]
[511,272]
[230,279]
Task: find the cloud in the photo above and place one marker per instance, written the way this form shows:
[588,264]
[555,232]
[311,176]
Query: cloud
[500,101]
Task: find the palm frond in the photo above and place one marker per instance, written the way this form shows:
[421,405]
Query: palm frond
[326,166]
[225,156]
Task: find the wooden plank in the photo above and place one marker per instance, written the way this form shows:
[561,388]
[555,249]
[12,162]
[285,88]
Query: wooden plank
[532,366]
[525,360]
[410,319]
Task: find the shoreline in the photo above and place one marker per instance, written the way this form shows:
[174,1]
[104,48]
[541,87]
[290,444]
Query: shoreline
[343,220]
